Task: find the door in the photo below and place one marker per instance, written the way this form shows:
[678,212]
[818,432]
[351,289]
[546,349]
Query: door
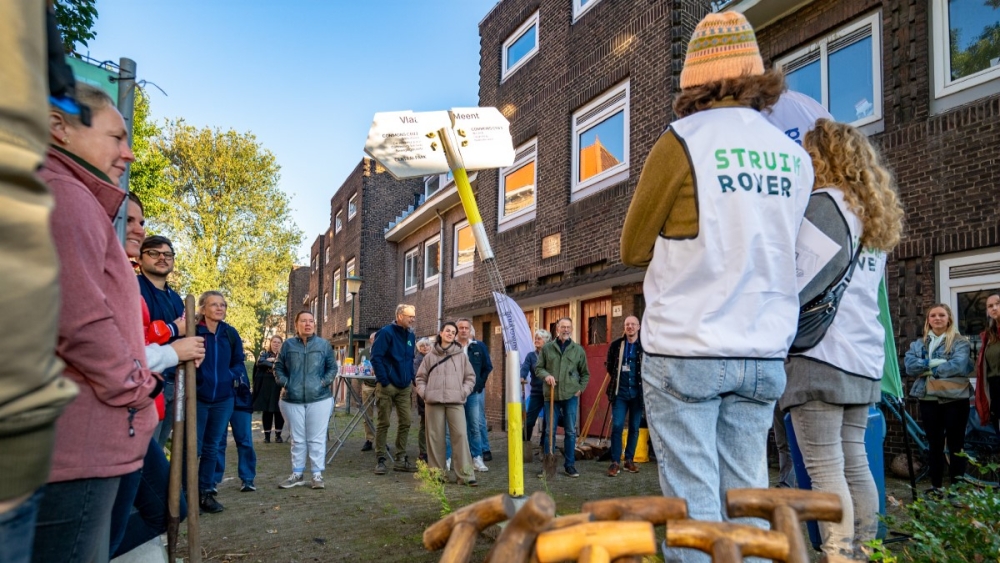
[595,337]
[551,315]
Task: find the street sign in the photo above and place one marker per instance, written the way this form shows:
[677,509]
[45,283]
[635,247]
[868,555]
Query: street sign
[409,143]
[101,76]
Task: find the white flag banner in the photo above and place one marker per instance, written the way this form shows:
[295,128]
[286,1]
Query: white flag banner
[516,332]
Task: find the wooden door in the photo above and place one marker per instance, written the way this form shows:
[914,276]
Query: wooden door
[595,337]
[551,315]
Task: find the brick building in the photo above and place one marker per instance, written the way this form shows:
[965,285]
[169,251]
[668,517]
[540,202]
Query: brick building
[298,295]
[354,246]
[922,78]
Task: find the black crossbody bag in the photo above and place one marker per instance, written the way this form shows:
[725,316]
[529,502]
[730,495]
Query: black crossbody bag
[816,316]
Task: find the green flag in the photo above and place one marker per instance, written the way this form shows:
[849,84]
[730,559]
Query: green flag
[891,382]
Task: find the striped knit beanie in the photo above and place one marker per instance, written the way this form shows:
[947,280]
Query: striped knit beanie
[723,46]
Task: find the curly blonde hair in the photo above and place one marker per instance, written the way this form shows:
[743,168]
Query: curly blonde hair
[845,159]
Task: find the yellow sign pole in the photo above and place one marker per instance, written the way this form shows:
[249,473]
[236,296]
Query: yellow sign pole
[515,455]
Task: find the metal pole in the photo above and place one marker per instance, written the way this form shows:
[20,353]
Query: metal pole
[350,345]
[126,105]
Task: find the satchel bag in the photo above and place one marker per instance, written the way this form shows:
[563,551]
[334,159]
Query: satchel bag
[816,316]
[949,388]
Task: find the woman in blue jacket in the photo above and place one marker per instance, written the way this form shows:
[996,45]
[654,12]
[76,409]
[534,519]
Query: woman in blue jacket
[305,370]
[218,375]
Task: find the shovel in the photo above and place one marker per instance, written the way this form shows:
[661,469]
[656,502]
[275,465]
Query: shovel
[549,459]
[176,466]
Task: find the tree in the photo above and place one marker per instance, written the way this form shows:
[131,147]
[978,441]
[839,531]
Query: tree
[75,19]
[147,175]
[230,223]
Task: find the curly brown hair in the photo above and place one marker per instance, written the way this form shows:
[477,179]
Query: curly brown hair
[759,92]
[845,159]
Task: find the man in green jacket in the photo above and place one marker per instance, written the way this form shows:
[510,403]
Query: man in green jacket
[562,366]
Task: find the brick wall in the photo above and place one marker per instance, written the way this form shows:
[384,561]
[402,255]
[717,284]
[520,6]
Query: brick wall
[298,288]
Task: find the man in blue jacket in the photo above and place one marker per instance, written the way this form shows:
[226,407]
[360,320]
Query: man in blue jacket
[392,360]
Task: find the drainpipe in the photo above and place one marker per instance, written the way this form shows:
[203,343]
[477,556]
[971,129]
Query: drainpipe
[440,271]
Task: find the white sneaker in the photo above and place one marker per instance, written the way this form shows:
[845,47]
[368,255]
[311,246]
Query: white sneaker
[295,480]
[447,464]
[478,465]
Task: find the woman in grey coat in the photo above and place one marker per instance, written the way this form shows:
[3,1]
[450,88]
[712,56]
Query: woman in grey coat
[444,380]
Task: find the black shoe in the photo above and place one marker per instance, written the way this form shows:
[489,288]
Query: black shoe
[277,439]
[572,472]
[248,487]
[487,456]
[380,468]
[207,503]
[267,437]
[367,447]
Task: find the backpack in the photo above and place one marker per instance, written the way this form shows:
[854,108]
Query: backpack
[816,316]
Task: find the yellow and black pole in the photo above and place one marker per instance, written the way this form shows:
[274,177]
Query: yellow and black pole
[451,142]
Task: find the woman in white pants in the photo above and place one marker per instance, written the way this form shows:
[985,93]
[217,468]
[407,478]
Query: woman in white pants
[305,370]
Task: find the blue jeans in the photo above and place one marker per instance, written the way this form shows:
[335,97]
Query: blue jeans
[565,412]
[17,529]
[709,420]
[151,514]
[535,405]
[474,412]
[162,433]
[246,466]
[127,487]
[484,432]
[633,408]
[74,521]
[212,421]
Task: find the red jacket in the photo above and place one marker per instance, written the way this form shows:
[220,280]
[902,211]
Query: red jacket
[982,390]
[100,331]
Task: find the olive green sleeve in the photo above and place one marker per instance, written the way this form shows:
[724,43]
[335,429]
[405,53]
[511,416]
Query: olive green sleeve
[663,203]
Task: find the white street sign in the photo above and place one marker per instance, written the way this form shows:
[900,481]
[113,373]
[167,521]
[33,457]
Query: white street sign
[408,143]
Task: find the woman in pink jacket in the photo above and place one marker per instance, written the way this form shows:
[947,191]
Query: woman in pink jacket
[103,434]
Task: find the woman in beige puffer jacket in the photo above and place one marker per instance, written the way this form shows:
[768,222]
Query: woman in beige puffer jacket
[444,380]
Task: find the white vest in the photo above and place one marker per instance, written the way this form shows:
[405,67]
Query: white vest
[730,292]
[855,342]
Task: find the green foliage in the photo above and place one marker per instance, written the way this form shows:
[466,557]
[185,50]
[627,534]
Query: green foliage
[432,482]
[229,222]
[961,524]
[977,55]
[147,175]
[75,19]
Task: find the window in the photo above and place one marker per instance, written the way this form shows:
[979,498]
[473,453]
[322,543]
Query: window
[336,287]
[520,46]
[432,184]
[326,256]
[352,207]
[339,223]
[465,249]
[411,275]
[312,308]
[966,44]
[842,71]
[964,282]
[600,142]
[326,303]
[432,260]
[349,271]
[315,262]
[581,7]
[517,187]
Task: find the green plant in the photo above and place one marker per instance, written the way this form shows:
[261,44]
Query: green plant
[880,553]
[432,482]
[955,525]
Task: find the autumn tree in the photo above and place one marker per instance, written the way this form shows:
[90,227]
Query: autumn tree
[147,175]
[75,19]
[230,223]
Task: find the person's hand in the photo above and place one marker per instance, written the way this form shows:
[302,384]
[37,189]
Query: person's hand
[190,348]
[181,324]
[550,381]
[577,394]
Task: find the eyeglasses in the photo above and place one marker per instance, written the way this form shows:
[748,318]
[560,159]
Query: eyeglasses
[155,254]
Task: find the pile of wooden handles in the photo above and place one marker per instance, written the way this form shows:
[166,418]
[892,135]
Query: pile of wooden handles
[622,529]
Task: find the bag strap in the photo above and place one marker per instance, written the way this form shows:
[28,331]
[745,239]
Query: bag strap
[441,361]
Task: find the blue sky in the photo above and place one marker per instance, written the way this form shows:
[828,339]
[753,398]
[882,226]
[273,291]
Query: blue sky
[305,76]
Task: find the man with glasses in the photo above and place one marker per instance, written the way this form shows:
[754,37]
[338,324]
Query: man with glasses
[156,262]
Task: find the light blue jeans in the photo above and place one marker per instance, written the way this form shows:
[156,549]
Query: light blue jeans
[832,440]
[474,411]
[708,419]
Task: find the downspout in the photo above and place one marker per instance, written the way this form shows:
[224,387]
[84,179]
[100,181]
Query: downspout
[440,271]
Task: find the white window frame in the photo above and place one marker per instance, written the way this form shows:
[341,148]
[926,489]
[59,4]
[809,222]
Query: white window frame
[579,10]
[941,47]
[457,270]
[432,279]
[948,288]
[350,269]
[336,288]
[532,20]
[524,154]
[874,21]
[326,256]
[412,256]
[582,122]
[439,178]
[338,221]
[326,303]
[352,207]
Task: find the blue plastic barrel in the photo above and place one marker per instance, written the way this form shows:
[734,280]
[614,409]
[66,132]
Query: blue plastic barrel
[874,438]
